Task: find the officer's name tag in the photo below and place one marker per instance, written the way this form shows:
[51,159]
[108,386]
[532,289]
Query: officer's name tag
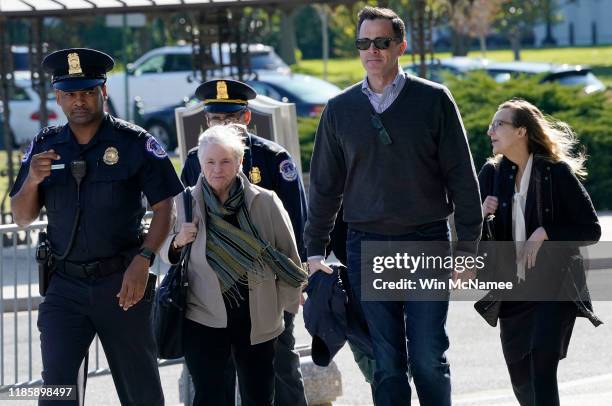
[58,166]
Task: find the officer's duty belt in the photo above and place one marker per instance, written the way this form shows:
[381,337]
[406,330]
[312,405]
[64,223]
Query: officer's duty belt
[97,269]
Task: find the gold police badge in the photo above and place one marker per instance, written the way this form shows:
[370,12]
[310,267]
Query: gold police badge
[74,64]
[222,90]
[255,175]
[111,156]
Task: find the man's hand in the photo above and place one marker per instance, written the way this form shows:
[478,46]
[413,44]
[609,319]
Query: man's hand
[318,265]
[40,165]
[134,282]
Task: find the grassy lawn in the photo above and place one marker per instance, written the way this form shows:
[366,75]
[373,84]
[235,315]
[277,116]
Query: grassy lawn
[346,71]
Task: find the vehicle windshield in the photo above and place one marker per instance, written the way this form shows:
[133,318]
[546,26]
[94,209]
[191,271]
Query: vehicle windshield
[579,79]
[20,61]
[311,90]
[266,61]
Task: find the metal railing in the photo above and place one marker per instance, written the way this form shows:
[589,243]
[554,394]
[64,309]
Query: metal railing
[19,300]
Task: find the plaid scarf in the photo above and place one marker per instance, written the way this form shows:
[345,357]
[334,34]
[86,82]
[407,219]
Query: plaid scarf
[234,252]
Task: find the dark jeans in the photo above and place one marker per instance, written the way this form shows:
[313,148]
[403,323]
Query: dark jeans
[409,336]
[73,312]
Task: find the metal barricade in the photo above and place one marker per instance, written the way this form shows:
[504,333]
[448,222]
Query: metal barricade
[19,300]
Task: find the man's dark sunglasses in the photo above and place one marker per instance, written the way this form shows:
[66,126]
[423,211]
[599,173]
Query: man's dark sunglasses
[379,42]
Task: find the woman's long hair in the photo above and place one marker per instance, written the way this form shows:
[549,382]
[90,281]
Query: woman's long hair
[547,137]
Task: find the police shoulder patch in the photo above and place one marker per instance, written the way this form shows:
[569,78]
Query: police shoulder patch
[28,151]
[154,148]
[288,170]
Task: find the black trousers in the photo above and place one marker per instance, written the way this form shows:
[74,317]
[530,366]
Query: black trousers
[288,381]
[73,312]
[207,353]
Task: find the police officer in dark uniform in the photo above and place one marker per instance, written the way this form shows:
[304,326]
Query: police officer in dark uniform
[90,175]
[270,166]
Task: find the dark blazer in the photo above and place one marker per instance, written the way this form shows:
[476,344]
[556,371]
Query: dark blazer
[557,201]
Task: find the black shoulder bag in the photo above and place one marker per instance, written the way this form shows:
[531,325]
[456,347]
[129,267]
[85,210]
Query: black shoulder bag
[171,299]
[489,306]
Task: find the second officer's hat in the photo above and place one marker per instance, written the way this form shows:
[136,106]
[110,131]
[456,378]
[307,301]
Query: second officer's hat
[77,68]
[225,95]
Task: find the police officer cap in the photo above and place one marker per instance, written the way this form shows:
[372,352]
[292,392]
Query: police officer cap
[225,95]
[77,68]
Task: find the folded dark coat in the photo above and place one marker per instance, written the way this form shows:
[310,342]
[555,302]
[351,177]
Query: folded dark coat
[332,319]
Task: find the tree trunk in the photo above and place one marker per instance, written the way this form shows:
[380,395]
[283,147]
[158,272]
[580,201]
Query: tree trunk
[483,45]
[515,42]
[459,44]
[287,36]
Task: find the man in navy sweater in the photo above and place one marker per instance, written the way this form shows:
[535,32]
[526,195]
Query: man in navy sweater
[393,151]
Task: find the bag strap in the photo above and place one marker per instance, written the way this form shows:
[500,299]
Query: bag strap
[187,204]
[496,180]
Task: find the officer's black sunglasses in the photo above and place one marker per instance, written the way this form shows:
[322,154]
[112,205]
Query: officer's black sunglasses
[379,42]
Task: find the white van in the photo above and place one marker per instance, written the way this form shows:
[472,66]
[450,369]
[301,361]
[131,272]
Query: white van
[164,76]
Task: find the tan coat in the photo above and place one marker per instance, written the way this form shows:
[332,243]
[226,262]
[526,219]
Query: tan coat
[268,296]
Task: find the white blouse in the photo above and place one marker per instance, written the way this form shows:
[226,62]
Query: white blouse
[519,231]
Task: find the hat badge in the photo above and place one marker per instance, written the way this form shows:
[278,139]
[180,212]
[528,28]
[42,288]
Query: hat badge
[111,156]
[74,64]
[222,90]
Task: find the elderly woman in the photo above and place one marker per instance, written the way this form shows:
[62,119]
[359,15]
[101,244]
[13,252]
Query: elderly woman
[243,272]
[532,186]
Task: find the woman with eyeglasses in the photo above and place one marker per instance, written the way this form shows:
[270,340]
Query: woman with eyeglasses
[532,186]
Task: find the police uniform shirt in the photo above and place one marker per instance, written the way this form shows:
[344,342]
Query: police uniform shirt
[269,166]
[123,161]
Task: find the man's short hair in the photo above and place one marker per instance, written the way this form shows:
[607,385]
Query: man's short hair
[374,13]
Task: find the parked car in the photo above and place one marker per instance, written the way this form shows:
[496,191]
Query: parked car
[570,75]
[310,94]
[164,75]
[456,66]
[24,109]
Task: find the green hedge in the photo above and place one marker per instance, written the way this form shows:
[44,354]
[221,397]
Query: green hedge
[478,96]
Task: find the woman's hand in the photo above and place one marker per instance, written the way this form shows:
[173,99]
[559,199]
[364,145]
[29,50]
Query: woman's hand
[188,233]
[489,206]
[529,252]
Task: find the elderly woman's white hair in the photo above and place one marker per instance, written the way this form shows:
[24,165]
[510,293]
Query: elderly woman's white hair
[230,136]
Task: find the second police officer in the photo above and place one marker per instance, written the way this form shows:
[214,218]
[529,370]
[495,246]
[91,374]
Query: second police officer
[270,166]
[90,175]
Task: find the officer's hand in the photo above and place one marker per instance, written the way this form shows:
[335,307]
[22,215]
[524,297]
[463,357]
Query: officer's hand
[134,282]
[314,266]
[188,233]
[40,165]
